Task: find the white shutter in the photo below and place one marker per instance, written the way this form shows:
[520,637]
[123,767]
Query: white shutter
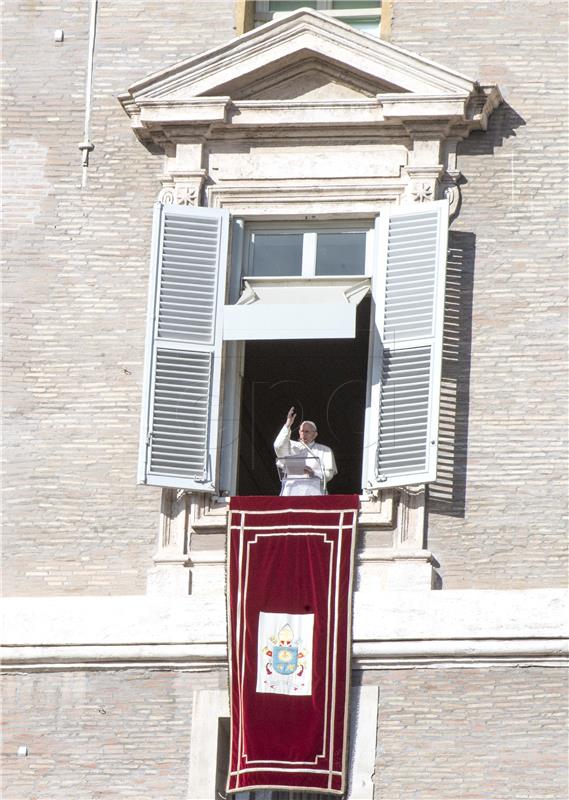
[408,292]
[179,429]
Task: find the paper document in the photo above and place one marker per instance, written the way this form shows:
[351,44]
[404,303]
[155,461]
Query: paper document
[295,465]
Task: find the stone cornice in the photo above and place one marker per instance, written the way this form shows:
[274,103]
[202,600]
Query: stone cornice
[201,96]
[411,654]
[402,115]
[379,616]
[392,630]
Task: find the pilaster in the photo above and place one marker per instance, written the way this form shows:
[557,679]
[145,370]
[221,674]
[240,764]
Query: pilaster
[169,576]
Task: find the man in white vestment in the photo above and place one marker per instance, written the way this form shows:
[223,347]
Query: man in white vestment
[319,467]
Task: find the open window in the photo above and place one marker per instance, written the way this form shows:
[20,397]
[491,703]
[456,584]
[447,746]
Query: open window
[303,320]
[372,385]
[325,379]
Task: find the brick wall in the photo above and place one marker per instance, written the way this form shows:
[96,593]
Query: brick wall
[471,734]
[497,513]
[75,289]
[443,734]
[109,734]
[74,520]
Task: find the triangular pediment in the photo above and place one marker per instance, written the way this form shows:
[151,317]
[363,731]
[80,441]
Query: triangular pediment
[307,78]
[303,69]
[308,46]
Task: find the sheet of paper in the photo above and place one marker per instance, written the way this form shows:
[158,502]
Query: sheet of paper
[295,466]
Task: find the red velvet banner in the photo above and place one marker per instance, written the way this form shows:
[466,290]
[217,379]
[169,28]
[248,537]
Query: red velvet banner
[290,567]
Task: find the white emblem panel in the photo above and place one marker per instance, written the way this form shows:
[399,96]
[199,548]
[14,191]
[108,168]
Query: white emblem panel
[284,653]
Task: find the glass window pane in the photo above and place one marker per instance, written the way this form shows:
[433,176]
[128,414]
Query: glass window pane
[341,4]
[367,25]
[276,254]
[286,5]
[341,253]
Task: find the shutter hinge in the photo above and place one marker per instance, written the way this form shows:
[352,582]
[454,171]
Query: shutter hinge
[149,438]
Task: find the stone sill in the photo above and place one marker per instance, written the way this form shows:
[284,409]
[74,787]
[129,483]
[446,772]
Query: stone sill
[375,514]
[190,558]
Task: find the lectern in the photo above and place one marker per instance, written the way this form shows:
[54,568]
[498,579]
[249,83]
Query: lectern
[294,480]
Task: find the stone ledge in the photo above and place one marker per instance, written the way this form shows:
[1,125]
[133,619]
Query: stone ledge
[375,513]
[365,655]
[379,616]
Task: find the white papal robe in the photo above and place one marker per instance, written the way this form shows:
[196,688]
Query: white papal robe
[324,465]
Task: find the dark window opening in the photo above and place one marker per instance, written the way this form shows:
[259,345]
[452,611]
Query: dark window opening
[222,761]
[325,380]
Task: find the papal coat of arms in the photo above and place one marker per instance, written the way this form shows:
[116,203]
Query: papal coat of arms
[284,655]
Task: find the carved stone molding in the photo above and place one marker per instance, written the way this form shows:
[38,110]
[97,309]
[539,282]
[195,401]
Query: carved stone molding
[411,520]
[423,183]
[450,188]
[167,195]
[188,194]
[248,113]
[238,86]
[173,525]
[328,196]
[169,575]
[422,192]
[186,190]
[390,554]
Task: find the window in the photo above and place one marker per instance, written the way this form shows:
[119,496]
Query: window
[381,374]
[364,15]
[322,373]
[325,379]
[297,251]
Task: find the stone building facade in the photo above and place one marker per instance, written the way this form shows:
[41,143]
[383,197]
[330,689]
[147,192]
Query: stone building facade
[114,630]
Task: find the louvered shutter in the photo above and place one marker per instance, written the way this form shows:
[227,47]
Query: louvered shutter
[179,430]
[409,301]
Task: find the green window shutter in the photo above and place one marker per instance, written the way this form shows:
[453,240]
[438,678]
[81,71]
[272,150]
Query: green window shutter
[181,400]
[408,293]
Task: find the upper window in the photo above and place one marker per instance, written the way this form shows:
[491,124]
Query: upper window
[273,251]
[364,15]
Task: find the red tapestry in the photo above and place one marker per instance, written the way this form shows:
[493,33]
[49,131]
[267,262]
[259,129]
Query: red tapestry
[290,567]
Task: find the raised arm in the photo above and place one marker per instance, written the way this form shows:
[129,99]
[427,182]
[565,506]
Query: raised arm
[282,442]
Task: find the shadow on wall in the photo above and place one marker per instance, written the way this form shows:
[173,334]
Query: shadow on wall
[447,495]
[502,125]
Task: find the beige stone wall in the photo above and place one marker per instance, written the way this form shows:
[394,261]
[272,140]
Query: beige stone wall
[446,734]
[76,280]
[75,290]
[110,734]
[443,734]
[497,513]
